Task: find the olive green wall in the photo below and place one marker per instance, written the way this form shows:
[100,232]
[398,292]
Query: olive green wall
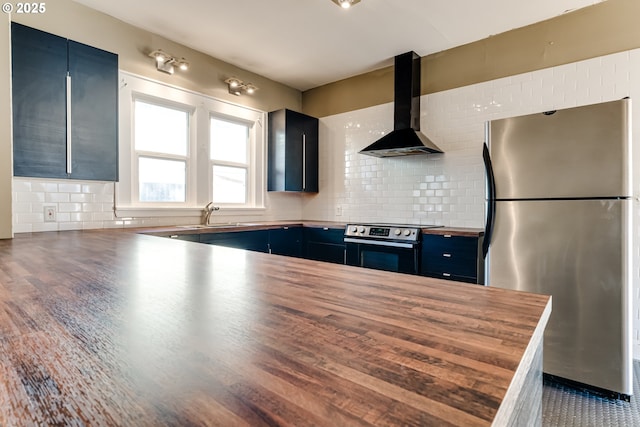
[601,29]
[74,21]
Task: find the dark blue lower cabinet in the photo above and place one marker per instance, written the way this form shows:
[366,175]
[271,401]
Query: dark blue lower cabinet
[324,244]
[286,241]
[186,237]
[316,243]
[256,240]
[452,257]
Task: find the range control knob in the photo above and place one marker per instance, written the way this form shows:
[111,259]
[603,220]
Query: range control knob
[361,229]
[397,232]
[354,229]
[407,232]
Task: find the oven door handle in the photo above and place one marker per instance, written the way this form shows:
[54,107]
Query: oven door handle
[379,243]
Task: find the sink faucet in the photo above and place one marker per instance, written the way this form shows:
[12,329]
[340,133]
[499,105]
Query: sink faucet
[208,210]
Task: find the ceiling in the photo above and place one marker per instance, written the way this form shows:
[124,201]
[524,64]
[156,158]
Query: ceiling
[308,43]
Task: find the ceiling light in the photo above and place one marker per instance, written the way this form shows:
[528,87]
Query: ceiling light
[166,62]
[238,87]
[345,4]
[159,56]
[183,65]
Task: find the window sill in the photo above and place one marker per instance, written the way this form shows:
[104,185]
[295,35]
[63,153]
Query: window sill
[163,212]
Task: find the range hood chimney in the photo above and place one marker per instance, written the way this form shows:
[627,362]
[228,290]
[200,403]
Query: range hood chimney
[406,138]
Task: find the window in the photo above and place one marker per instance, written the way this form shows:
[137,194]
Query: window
[161,140]
[229,151]
[180,150]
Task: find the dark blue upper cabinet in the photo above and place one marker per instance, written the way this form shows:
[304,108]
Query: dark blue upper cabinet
[293,152]
[48,71]
[94,113]
[39,69]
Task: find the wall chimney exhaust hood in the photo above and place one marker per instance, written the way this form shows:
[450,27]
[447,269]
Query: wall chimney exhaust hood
[406,138]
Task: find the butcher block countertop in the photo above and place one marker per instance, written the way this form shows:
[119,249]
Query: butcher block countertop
[266,225]
[118,328]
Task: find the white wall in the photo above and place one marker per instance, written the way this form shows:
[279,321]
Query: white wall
[448,189]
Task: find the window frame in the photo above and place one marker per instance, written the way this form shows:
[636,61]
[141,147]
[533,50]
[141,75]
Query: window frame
[199,170]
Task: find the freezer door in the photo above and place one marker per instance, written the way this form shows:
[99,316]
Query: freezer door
[575,152]
[578,252]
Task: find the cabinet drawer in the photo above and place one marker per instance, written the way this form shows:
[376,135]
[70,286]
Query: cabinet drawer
[324,235]
[449,276]
[458,267]
[461,247]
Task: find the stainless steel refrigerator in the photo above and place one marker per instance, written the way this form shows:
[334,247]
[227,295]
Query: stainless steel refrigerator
[559,211]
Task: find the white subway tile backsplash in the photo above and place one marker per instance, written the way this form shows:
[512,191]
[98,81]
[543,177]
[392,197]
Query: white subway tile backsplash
[80,197]
[56,197]
[24,196]
[27,218]
[70,207]
[43,186]
[65,187]
[44,226]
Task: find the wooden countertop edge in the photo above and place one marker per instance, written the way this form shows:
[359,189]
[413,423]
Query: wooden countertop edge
[517,382]
[270,225]
[455,231]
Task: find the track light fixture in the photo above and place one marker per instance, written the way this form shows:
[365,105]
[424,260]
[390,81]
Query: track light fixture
[238,87]
[345,4]
[166,62]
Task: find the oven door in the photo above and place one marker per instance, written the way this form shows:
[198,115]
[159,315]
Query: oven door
[401,257]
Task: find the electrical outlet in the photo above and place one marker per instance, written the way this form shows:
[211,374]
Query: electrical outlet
[338,210]
[49,214]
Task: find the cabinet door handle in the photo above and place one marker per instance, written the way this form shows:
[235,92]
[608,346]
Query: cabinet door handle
[304,161]
[69,163]
[344,256]
[285,228]
[446,255]
[446,274]
[325,228]
[446,236]
[173,236]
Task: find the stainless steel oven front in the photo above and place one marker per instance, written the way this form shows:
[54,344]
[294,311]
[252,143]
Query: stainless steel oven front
[383,247]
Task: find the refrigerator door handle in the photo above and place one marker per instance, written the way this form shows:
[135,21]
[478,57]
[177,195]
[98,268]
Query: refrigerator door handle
[491,200]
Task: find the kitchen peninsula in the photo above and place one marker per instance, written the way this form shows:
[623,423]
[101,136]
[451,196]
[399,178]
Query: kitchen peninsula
[111,327]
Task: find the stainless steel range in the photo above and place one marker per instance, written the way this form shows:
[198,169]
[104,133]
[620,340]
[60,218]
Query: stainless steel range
[391,247]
